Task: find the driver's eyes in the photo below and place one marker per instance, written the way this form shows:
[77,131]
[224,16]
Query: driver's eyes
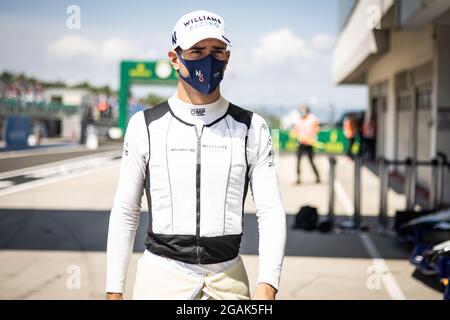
[199,53]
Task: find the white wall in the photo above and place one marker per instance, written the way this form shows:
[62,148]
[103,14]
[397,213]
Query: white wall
[408,50]
[428,49]
[69,96]
[355,43]
[71,127]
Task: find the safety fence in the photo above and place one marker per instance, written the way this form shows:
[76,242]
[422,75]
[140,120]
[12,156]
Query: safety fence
[435,200]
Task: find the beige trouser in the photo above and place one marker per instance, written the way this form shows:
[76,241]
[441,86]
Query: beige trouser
[155,281]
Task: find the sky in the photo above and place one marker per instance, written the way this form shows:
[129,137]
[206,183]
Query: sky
[281,54]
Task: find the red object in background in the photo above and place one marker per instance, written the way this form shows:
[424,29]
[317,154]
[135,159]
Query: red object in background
[102,106]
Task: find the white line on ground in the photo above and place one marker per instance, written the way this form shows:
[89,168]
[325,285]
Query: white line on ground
[43,182]
[343,196]
[42,151]
[27,170]
[388,279]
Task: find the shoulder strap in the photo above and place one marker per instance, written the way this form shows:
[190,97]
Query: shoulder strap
[150,115]
[244,116]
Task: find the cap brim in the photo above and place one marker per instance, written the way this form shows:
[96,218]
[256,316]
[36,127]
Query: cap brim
[188,44]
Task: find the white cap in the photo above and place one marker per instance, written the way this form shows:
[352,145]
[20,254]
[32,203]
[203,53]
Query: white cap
[196,26]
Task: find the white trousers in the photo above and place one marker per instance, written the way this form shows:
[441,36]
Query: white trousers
[156,281]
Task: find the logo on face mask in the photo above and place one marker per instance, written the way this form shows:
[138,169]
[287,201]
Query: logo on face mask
[200,75]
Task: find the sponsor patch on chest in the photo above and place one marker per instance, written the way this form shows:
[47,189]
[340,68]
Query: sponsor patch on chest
[198,112]
[214,147]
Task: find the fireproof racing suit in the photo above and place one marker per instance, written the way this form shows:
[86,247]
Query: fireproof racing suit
[195,163]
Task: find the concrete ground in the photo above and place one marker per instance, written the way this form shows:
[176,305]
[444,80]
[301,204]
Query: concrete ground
[54,220]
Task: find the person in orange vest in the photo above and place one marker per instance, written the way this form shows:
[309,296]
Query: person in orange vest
[305,130]
[349,128]
[368,137]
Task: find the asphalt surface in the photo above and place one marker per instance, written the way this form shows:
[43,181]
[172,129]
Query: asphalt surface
[55,220]
[18,160]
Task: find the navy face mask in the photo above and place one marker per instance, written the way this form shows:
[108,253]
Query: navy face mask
[205,74]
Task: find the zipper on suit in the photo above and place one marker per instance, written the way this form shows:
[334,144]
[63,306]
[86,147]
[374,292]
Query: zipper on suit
[197,184]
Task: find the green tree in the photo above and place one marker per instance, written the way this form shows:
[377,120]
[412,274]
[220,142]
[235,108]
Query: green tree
[152,100]
[6,77]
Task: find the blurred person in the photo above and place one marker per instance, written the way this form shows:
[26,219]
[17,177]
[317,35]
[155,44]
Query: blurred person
[350,130]
[195,155]
[37,133]
[368,135]
[305,130]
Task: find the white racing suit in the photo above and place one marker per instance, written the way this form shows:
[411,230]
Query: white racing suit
[195,164]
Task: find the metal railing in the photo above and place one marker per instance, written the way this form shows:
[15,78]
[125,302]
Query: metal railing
[435,200]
